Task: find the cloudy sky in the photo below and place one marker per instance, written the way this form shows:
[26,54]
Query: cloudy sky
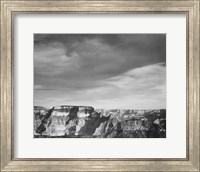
[100,70]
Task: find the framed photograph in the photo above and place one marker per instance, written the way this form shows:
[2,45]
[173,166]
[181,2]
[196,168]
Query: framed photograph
[88,69]
[100,85]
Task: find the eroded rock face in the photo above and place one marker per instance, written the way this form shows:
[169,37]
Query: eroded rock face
[45,121]
[61,119]
[92,123]
[85,121]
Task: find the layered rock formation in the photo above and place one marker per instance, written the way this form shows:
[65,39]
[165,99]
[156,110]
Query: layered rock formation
[85,121]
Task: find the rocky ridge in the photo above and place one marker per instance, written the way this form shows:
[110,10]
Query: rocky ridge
[85,121]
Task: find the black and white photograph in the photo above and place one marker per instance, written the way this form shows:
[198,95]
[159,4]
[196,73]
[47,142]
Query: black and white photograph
[99,85]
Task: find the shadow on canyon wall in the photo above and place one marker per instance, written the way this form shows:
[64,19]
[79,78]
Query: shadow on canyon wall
[87,122]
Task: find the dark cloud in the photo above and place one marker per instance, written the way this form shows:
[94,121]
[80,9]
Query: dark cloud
[75,62]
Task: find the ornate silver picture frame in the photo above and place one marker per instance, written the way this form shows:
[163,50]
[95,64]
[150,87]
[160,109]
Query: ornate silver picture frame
[8,11]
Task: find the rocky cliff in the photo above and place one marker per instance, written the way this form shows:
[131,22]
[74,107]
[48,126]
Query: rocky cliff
[84,121]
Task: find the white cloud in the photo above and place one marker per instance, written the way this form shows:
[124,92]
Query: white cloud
[100,70]
[140,88]
[38,87]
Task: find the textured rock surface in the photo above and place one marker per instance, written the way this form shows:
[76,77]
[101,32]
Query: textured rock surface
[84,121]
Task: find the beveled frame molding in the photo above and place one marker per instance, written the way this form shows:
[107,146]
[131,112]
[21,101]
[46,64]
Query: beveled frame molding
[8,10]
